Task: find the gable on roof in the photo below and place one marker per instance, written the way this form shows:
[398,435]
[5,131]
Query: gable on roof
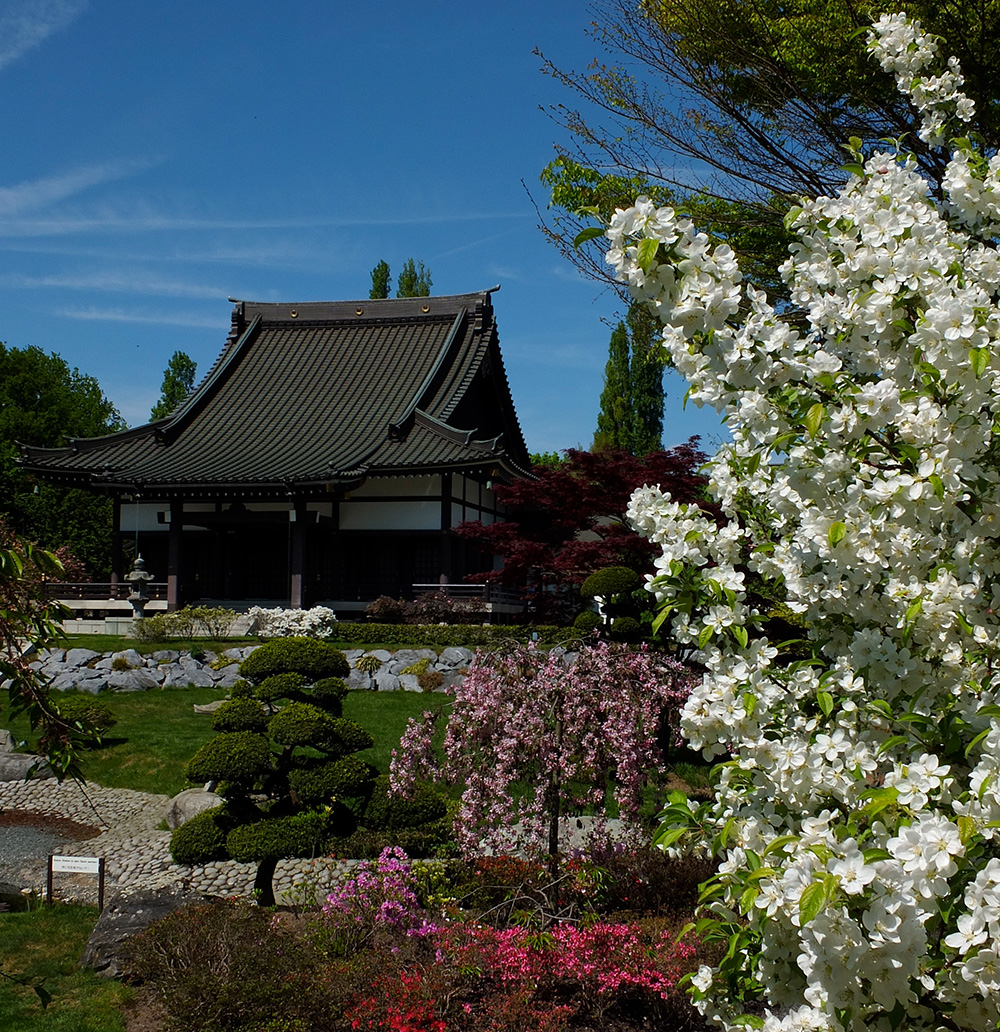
[307,396]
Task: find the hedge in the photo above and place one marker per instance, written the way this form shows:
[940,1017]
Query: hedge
[359,635]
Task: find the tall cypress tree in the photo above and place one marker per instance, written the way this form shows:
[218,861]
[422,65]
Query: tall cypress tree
[613,421]
[380,281]
[631,415]
[646,375]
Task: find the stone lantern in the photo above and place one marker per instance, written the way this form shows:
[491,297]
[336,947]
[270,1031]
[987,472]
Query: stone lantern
[138,596]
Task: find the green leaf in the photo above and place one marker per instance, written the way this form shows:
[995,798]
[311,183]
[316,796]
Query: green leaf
[811,901]
[937,483]
[980,359]
[666,837]
[836,533]
[873,855]
[646,253]
[853,168]
[792,214]
[740,634]
[825,702]
[891,742]
[913,609]
[814,418]
[587,234]
[705,636]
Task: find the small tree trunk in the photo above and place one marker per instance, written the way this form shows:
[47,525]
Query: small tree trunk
[263,885]
[555,805]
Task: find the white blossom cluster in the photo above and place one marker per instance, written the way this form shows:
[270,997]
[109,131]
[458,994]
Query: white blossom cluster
[318,622]
[857,811]
[903,49]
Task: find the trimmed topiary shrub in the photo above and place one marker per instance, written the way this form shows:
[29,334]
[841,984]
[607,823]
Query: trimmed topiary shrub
[300,834]
[389,812]
[301,724]
[202,839]
[312,659]
[280,686]
[240,758]
[587,621]
[349,777]
[283,760]
[241,715]
[611,581]
[626,628]
[330,692]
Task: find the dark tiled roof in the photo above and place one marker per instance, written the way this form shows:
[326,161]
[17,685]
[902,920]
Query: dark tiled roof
[309,395]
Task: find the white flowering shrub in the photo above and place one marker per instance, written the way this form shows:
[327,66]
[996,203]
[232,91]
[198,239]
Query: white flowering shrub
[318,622]
[857,811]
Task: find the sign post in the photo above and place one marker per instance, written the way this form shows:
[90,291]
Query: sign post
[77,865]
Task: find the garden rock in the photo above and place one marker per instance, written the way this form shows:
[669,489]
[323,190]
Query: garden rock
[125,917]
[80,657]
[14,766]
[132,681]
[188,804]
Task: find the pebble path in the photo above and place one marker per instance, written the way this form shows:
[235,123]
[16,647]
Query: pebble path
[136,849]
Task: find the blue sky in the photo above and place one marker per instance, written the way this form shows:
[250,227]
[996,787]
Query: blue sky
[162,157]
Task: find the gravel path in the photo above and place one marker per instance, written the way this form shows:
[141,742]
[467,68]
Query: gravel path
[42,816]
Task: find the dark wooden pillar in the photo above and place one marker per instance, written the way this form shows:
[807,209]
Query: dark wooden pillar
[174,554]
[297,571]
[116,545]
[446,572]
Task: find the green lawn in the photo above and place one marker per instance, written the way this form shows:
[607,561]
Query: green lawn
[158,732]
[43,945]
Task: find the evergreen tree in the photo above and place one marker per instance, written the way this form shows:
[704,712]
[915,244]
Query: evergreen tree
[380,282]
[631,415]
[613,430]
[414,280]
[178,382]
[646,376]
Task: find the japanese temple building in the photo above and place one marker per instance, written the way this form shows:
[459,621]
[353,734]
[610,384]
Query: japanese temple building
[324,459]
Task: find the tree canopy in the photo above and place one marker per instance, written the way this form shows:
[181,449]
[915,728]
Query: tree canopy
[414,280]
[729,110]
[380,281]
[45,403]
[631,414]
[178,382]
[569,520]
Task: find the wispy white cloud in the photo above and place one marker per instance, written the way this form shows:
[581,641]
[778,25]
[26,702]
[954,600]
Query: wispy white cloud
[24,198]
[149,318]
[117,282]
[82,222]
[26,23]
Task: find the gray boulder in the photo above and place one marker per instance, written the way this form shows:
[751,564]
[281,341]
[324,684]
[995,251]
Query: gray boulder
[124,917]
[14,766]
[188,804]
[80,657]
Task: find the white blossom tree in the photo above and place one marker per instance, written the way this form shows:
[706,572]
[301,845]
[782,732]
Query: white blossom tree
[856,815]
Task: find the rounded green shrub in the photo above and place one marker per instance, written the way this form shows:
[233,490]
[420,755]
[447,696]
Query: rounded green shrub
[388,812]
[346,778]
[241,715]
[241,690]
[626,628]
[239,757]
[329,693]
[301,723]
[301,834]
[95,717]
[352,736]
[612,580]
[279,686]
[202,839]
[586,621]
[312,659]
